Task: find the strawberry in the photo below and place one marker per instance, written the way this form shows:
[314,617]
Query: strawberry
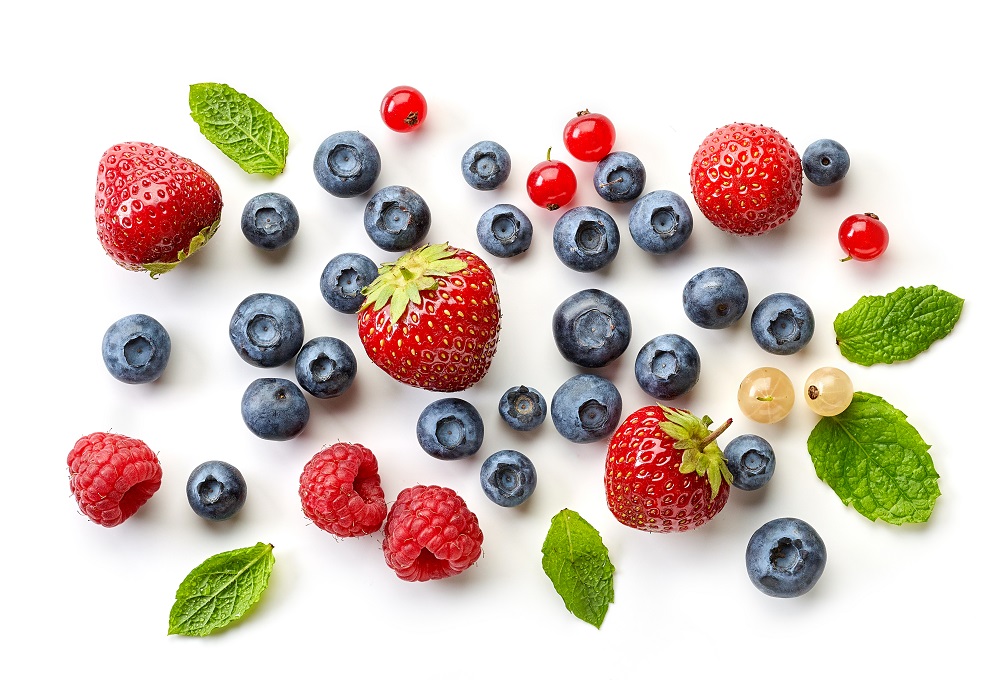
[746,179]
[431,319]
[153,207]
[664,471]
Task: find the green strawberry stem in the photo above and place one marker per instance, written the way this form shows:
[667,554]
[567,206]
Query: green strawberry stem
[402,281]
[701,453]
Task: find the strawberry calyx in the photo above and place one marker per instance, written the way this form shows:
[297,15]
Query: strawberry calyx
[701,453]
[200,239]
[401,282]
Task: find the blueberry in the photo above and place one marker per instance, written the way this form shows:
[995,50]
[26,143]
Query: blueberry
[508,478]
[523,408]
[216,490]
[274,408]
[591,328]
[586,238]
[504,231]
[825,162]
[716,297]
[266,329]
[325,367]
[660,222]
[785,557]
[136,349]
[620,176]
[667,366]
[397,218]
[782,323]
[751,460]
[347,164]
[343,279]
[270,221]
[450,428]
[486,165]
[586,408]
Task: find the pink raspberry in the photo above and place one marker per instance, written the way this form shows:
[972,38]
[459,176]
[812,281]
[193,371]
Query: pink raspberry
[430,534]
[112,476]
[341,491]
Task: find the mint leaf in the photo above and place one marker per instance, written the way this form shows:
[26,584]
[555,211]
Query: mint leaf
[576,561]
[241,128]
[220,590]
[876,461]
[897,326]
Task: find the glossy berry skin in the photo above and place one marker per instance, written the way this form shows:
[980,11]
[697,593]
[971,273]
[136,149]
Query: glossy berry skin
[715,298]
[504,231]
[750,458]
[660,221]
[825,162]
[667,366]
[136,349]
[266,330]
[450,428]
[647,484]
[486,165]
[620,177]
[347,164]
[111,476]
[746,179]
[863,237]
[523,408]
[430,533]
[551,184]
[216,490]
[586,238]
[589,137]
[153,207]
[341,491]
[403,109]
[343,280]
[274,409]
[591,328]
[508,478]
[828,391]
[397,218]
[766,395]
[325,367]
[270,221]
[444,342]
[785,557]
[782,323]
[586,408]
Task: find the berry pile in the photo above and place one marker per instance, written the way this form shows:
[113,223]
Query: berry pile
[431,319]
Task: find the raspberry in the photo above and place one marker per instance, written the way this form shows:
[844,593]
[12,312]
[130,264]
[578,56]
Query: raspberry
[430,534]
[112,476]
[341,491]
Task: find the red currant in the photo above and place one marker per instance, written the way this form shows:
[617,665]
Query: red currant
[863,237]
[551,184]
[589,136]
[404,109]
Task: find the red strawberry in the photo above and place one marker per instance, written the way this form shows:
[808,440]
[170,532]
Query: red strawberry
[746,179]
[153,207]
[431,319]
[664,471]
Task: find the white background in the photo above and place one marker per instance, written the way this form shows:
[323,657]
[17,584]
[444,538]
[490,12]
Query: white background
[909,93]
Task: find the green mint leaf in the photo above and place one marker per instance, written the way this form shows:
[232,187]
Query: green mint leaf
[876,461]
[220,590]
[241,128]
[882,329]
[576,561]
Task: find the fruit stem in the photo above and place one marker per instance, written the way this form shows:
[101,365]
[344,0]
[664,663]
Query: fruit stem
[715,433]
[548,154]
